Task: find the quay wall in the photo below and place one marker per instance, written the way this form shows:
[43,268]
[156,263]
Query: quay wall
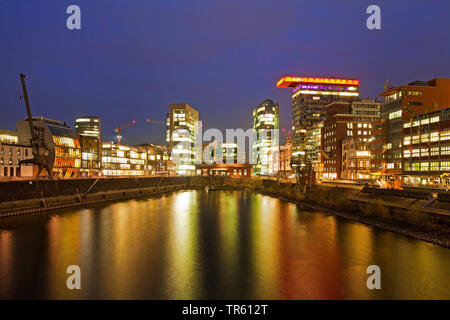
[23,197]
[41,189]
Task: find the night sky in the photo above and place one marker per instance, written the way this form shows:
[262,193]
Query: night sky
[223,57]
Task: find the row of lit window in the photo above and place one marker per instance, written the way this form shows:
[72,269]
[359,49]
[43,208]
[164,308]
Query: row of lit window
[421,122]
[362,164]
[359,125]
[395,115]
[10,161]
[67,163]
[428,166]
[122,172]
[425,152]
[66,142]
[425,137]
[67,152]
[6,138]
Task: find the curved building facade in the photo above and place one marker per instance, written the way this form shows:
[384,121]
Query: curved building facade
[266,138]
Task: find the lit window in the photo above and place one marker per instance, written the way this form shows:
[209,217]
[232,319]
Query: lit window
[395,115]
[434,119]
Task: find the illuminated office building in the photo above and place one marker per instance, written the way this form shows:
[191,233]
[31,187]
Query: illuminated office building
[122,160]
[312,147]
[158,160]
[310,97]
[345,122]
[88,131]
[413,142]
[266,138]
[182,127]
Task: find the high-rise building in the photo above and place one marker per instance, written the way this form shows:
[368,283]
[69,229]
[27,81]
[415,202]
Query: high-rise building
[346,120]
[88,131]
[411,146]
[182,127]
[310,97]
[266,138]
[64,152]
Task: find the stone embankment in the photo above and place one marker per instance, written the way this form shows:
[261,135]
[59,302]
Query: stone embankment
[22,197]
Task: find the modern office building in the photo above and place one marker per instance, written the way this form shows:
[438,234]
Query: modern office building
[342,121]
[407,133]
[11,153]
[122,160]
[310,97]
[426,150]
[88,131]
[158,161]
[266,138]
[312,147]
[61,142]
[182,127]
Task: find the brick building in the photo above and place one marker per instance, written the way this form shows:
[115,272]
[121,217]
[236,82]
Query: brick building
[344,120]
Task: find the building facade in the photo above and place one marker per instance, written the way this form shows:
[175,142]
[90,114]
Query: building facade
[223,159]
[285,155]
[343,120]
[310,97]
[266,138]
[313,141]
[61,142]
[405,115]
[122,160]
[88,130]
[181,130]
[356,160]
[426,150]
[11,153]
[158,161]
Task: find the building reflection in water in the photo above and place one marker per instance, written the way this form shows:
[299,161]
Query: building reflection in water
[216,244]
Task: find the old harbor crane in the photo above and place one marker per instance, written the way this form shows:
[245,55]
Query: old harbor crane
[39,149]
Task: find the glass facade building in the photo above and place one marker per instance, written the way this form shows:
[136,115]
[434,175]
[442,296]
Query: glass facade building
[89,133]
[181,129]
[310,97]
[266,138]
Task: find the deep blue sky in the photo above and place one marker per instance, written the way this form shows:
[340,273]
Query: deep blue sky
[134,57]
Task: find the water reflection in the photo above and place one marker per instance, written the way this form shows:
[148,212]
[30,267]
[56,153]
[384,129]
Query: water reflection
[217,244]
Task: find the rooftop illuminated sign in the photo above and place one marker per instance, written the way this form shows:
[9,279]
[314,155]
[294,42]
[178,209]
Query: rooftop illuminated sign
[289,82]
